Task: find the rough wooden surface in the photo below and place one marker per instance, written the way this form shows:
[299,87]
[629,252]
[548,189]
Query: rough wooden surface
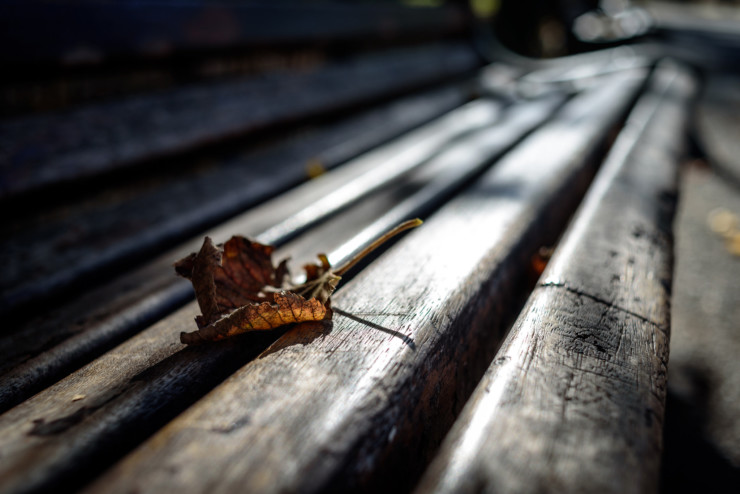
[100,229]
[67,433]
[48,347]
[182,376]
[47,149]
[326,407]
[574,400]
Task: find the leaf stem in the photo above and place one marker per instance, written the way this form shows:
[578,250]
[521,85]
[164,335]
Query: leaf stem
[377,243]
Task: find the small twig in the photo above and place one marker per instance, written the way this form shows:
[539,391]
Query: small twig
[377,243]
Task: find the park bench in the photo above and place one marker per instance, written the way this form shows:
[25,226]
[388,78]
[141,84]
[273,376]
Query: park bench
[452,362]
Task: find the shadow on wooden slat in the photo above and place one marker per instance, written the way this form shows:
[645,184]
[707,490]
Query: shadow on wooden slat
[300,334]
[408,341]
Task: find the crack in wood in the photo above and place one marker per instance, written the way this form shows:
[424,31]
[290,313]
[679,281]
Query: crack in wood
[611,305]
[43,428]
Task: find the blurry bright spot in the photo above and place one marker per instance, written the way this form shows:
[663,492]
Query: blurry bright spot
[613,7]
[633,22]
[733,244]
[485,8]
[722,222]
[589,27]
[315,168]
[726,224]
[629,25]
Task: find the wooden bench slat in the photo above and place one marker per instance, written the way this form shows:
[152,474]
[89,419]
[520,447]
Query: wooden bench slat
[87,31]
[48,347]
[139,385]
[344,404]
[43,150]
[49,254]
[574,400]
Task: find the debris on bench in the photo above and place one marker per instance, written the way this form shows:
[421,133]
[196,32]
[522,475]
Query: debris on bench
[574,400]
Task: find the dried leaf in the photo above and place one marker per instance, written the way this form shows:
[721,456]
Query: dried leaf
[288,308]
[239,290]
[320,282]
[226,278]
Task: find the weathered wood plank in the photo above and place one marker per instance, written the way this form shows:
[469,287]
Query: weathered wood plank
[69,432]
[49,253]
[42,150]
[363,399]
[89,32]
[52,345]
[138,386]
[574,400]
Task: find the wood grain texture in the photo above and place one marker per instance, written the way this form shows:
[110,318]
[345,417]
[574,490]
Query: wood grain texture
[50,346]
[144,395]
[367,396]
[574,400]
[104,229]
[59,147]
[69,432]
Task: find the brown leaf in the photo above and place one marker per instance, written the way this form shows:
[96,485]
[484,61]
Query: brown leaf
[320,282]
[239,290]
[288,308]
[228,277]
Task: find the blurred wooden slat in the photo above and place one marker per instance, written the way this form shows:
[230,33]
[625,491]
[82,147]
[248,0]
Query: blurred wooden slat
[362,401]
[574,400]
[42,150]
[89,31]
[108,227]
[46,348]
